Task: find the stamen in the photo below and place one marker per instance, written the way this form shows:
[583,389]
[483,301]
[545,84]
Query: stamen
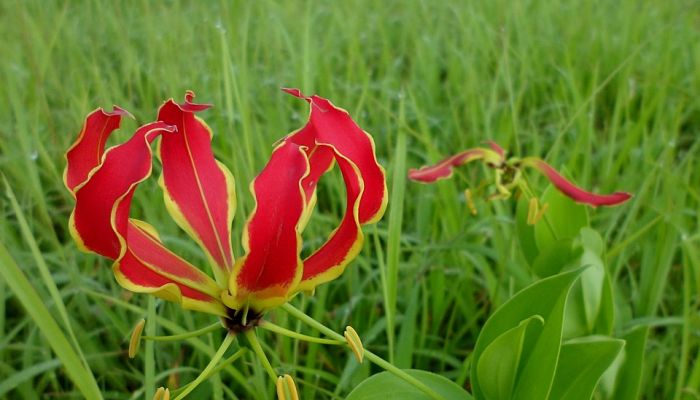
[135,340]
[162,394]
[470,201]
[286,389]
[540,214]
[532,211]
[355,343]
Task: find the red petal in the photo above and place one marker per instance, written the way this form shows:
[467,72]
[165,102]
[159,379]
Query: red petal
[445,168]
[100,223]
[330,260]
[330,125]
[331,134]
[271,267]
[199,192]
[86,153]
[574,192]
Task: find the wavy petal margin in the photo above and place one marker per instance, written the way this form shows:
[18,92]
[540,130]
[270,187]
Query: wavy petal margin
[271,267]
[332,126]
[345,242]
[100,223]
[331,135]
[199,192]
[86,152]
[445,168]
[574,192]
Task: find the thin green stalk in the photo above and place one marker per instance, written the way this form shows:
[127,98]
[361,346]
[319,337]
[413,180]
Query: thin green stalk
[46,276]
[209,369]
[393,250]
[182,336]
[293,311]
[258,350]
[34,305]
[149,374]
[267,325]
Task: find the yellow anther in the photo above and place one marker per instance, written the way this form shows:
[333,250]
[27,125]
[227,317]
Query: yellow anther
[355,343]
[162,394]
[135,340]
[470,201]
[286,389]
[532,211]
[540,214]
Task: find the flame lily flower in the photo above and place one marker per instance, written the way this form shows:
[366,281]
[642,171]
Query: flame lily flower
[199,195]
[508,174]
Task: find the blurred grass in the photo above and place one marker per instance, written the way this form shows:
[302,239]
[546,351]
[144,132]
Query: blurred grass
[606,89]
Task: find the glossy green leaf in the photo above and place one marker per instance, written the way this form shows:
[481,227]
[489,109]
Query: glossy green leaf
[498,365]
[622,381]
[545,298]
[387,386]
[563,219]
[582,362]
[590,309]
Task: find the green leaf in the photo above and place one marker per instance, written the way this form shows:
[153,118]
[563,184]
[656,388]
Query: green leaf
[590,309]
[387,386]
[622,381]
[32,302]
[526,232]
[563,219]
[545,298]
[582,362]
[498,365]
[556,258]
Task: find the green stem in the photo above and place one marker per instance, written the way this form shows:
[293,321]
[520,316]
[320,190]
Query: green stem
[186,335]
[213,371]
[267,325]
[258,350]
[210,368]
[293,311]
[149,373]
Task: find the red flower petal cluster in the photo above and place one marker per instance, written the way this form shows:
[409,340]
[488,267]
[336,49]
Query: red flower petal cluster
[199,195]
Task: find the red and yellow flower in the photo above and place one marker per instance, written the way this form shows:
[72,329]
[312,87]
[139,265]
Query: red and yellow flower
[508,174]
[199,195]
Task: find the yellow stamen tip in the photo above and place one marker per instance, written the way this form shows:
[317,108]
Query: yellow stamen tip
[286,389]
[532,211]
[355,343]
[162,394]
[540,214]
[470,201]
[135,340]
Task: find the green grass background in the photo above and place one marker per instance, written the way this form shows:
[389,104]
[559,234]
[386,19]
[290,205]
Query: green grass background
[607,90]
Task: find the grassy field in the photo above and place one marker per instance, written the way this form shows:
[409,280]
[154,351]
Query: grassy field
[607,90]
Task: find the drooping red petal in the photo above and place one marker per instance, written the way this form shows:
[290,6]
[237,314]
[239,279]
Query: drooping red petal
[329,261]
[331,134]
[199,191]
[333,126]
[271,267]
[100,223]
[445,167]
[574,192]
[86,152]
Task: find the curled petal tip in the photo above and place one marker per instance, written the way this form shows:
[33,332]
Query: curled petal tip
[496,147]
[116,110]
[189,105]
[294,92]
